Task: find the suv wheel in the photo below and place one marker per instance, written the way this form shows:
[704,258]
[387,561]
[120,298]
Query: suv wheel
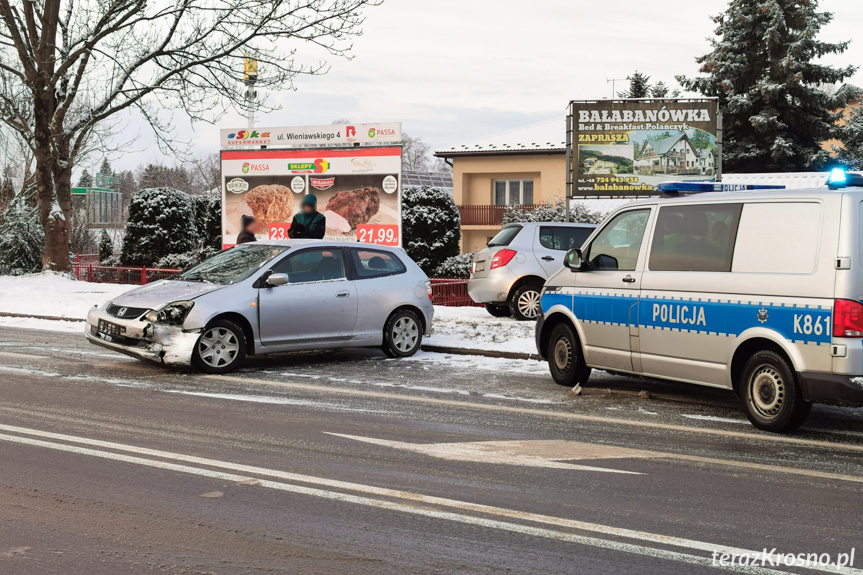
[221,347]
[498,310]
[403,334]
[565,359]
[770,394]
[524,302]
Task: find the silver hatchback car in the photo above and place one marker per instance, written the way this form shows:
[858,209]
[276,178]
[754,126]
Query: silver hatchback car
[508,274]
[272,296]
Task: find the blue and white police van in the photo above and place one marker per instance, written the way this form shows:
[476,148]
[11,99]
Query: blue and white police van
[758,291]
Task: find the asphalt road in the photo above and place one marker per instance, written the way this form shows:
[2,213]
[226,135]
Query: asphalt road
[352,463]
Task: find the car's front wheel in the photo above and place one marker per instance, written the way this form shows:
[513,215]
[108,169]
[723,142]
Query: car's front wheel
[565,359]
[403,334]
[221,347]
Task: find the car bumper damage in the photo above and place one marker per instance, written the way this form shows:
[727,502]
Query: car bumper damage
[165,344]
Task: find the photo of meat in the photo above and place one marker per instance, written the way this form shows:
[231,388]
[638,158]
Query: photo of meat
[270,203]
[346,210]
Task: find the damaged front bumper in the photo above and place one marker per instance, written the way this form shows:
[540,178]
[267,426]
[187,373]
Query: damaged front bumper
[164,344]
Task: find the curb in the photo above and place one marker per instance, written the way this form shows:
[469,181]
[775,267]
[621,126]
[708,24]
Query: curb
[481,352]
[49,317]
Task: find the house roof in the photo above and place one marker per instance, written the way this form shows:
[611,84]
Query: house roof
[661,147]
[548,136]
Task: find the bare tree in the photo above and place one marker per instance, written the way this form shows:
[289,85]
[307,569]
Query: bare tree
[68,67]
[415,154]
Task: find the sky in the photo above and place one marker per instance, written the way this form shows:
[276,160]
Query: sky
[455,70]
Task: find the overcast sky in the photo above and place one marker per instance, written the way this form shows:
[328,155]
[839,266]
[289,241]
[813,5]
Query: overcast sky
[455,70]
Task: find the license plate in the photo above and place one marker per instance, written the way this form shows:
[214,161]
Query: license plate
[109,328]
[480,266]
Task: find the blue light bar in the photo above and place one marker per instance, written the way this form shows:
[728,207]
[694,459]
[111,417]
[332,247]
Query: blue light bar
[704,187]
[838,179]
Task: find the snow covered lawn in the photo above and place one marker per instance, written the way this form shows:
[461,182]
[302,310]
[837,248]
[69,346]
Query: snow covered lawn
[50,294]
[475,328]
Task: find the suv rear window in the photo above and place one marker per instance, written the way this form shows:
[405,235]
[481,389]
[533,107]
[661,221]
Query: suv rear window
[505,236]
[562,238]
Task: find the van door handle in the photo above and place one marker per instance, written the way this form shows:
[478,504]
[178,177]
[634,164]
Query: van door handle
[347,293]
[629,279]
[548,258]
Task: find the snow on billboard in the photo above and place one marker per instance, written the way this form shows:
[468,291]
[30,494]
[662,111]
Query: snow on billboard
[358,191]
[626,147]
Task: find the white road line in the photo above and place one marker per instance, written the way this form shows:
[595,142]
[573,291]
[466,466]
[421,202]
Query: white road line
[752,435]
[20,355]
[424,511]
[406,496]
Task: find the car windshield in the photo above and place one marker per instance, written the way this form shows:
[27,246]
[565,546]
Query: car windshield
[504,237]
[233,265]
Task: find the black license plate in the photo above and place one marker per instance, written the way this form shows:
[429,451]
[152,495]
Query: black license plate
[109,328]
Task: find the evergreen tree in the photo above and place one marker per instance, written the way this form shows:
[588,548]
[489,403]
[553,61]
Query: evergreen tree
[22,239]
[86,180]
[850,152]
[431,226]
[661,90]
[106,246]
[639,86]
[763,69]
[105,168]
[161,223]
[7,191]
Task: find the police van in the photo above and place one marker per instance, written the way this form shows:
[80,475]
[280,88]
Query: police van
[758,291]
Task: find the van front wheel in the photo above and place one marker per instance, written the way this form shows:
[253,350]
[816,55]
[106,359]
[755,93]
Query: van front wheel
[565,359]
[770,394]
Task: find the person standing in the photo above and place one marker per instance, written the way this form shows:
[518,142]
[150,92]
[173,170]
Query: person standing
[250,228]
[309,223]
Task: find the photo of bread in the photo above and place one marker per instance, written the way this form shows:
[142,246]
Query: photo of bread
[270,203]
[346,210]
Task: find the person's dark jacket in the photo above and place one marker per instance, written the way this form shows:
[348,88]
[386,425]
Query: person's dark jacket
[308,226]
[246,236]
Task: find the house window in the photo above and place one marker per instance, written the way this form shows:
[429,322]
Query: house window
[513,192]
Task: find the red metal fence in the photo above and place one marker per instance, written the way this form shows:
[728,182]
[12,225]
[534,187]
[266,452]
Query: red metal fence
[487,215]
[450,292]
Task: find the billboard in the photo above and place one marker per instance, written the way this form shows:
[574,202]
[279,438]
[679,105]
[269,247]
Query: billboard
[358,191]
[329,135]
[627,147]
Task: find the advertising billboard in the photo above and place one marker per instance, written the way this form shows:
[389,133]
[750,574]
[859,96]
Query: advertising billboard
[627,147]
[358,191]
[329,135]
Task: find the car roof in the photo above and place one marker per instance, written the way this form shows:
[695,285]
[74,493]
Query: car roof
[758,195]
[322,243]
[564,224]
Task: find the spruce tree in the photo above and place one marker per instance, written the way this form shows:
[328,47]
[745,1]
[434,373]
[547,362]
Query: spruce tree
[763,68]
[86,180]
[106,246]
[431,225]
[22,239]
[850,151]
[639,86]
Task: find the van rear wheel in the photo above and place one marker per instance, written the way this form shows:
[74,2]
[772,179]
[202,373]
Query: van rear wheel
[565,360]
[770,393]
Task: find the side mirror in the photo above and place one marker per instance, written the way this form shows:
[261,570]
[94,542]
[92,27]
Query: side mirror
[276,280]
[574,260]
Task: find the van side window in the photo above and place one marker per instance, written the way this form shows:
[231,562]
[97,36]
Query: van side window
[779,238]
[562,238]
[617,245]
[695,238]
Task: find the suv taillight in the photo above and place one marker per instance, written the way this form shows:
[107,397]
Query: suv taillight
[847,318]
[502,258]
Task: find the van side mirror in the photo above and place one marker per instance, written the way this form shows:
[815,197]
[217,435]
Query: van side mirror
[276,280]
[574,260]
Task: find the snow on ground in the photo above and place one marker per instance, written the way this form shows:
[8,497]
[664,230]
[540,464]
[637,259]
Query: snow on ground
[50,294]
[475,328]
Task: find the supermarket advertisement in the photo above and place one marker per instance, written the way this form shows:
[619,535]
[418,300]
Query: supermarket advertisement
[358,191]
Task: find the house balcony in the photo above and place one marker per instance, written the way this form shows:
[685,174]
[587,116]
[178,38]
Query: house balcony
[486,215]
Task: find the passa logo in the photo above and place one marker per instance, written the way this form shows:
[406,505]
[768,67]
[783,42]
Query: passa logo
[247,167]
[243,135]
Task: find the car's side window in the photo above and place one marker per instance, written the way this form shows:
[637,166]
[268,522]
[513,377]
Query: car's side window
[314,265]
[371,263]
[617,245]
[562,238]
[695,238]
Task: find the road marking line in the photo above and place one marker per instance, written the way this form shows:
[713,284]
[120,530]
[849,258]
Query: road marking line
[748,435]
[423,510]
[20,355]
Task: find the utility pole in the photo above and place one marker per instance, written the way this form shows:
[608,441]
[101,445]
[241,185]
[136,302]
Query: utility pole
[612,81]
[250,76]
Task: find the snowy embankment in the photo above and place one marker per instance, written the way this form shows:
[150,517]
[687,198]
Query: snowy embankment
[54,295]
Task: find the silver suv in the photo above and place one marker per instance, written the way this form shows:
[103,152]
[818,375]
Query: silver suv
[508,274]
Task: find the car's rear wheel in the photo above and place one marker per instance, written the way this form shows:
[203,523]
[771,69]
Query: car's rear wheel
[498,310]
[565,360]
[403,334]
[220,348]
[770,394]
[524,302]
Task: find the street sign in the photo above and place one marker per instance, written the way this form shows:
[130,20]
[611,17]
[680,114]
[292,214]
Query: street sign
[79,191]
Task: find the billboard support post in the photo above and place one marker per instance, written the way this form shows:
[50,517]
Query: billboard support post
[719,138]
[568,190]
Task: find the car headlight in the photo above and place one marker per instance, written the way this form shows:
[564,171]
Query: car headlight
[174,313]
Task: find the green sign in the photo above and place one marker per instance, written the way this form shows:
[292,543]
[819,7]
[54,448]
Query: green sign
[80,191]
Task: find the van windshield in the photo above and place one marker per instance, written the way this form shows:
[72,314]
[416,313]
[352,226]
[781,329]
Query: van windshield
[504,237]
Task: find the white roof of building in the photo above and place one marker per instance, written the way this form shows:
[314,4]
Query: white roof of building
[547,136]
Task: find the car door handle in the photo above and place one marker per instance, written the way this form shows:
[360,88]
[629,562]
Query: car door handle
[347,293]
[629,279]
[548,258]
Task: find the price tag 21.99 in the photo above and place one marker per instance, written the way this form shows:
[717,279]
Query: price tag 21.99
[382,234]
